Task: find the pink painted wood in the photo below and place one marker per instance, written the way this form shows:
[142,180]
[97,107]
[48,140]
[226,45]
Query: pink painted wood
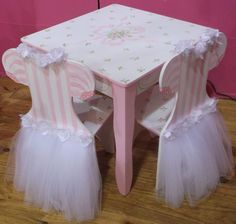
[51,88]
[124,89]
[186,77]
[124,121]
[192,136]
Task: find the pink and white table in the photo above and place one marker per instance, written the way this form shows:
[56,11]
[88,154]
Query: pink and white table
[125,48]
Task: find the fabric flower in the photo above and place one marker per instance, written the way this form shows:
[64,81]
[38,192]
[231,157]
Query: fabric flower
[24,50]
[56,55]
[199,48]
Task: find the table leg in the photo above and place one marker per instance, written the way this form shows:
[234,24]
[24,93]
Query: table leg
[124,120]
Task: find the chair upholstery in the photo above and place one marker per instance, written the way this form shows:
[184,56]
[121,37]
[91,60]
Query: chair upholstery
[194,148]
[53,155]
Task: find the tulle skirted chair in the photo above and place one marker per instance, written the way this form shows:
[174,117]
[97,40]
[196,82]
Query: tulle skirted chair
[53,158]
[194,148]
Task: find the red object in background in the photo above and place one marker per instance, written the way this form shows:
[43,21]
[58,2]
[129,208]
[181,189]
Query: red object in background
[22,17]
[218,14]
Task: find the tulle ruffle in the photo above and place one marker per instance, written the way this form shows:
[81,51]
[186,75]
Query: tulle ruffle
[191,120]
[190,164]
[56,175]
[46,127]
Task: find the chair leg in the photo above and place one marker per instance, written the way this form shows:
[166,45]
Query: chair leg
[106,135]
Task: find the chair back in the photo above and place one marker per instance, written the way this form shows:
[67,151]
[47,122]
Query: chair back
[51,87]
[185,77]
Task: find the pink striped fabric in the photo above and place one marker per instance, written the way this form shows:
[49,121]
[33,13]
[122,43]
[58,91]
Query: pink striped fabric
[186,76]
[51,88]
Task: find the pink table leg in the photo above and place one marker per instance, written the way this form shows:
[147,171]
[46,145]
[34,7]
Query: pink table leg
[124,117]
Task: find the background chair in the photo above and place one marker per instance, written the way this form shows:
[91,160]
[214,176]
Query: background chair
[53,156]
[194,149]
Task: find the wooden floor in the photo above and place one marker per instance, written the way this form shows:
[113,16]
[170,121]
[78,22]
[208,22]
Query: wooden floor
[140,206]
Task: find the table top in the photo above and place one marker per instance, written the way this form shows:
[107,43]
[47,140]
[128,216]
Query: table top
[117,42]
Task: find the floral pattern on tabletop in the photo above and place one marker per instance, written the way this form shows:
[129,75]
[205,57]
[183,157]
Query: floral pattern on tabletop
[122,44]
[116,35]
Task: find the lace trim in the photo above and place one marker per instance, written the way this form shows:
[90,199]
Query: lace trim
[208,39]
[46,128]
[56,55]
[195,117]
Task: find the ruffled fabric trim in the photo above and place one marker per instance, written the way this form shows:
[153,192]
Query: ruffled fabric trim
[46,128]
[195,117]
[207,39]
[54,175]
[56,55]
[191,163]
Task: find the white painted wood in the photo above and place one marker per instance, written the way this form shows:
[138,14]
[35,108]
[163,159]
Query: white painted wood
[52,89]
[94,112]
[153,109]
[182,88]
[121,43]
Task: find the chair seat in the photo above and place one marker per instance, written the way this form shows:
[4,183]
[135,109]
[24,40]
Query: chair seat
[94,111]
[153,109]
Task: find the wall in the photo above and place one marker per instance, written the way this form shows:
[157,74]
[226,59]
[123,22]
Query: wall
[21,17]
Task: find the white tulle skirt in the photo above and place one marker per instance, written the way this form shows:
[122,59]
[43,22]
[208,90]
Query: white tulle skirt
[55,175]
[191,162]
